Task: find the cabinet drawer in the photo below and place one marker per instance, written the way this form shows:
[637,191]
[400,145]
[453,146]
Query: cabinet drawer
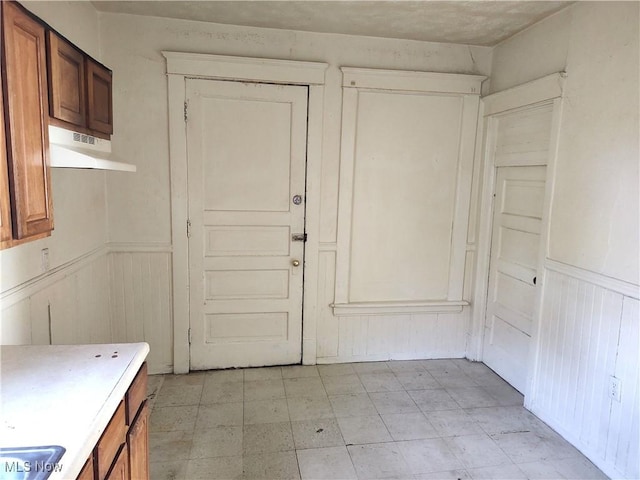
[137,393]
[112,438]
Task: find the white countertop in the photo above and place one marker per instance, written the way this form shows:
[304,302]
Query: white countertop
[63,395]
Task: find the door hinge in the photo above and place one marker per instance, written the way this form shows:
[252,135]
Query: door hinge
[186,105]
[188,228]
[189,335]
[299,237]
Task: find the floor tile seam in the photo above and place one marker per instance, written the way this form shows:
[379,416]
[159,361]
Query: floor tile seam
[404,459]
[380,413]
[551,457]
[450,437]
[419,411]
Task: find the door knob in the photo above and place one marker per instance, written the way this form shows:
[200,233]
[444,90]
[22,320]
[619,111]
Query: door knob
[295,263]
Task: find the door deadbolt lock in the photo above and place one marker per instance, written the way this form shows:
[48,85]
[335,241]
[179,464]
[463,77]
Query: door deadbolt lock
[295,263]
[297,199]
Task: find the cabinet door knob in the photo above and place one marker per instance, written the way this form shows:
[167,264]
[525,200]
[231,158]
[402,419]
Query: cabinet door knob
[295,263]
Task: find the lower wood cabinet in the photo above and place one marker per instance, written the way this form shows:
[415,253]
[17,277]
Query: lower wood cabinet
[138,443]
[87,470]
[122,453]
[120,470]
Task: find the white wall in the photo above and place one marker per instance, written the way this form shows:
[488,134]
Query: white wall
[590,317]
[139,205]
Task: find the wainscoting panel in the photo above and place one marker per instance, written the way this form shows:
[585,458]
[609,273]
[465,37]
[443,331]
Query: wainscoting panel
[623,443]
[361,338]
[69,305]
[141,302]
[79,307]
[327,324]
[588,334]
[400,337]
[15,324]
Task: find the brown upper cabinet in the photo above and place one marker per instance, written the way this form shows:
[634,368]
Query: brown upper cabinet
[67,97]
[24,76]
[6,234]
[80,89]
[99,97]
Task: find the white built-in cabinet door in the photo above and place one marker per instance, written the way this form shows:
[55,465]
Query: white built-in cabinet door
[513,273]
[521,147]
[246,168]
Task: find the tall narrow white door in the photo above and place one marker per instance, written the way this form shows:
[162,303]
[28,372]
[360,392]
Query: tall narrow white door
[517,220]
[521,140]
[246,176]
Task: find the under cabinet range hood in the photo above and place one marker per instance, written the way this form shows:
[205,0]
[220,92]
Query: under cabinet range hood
[70,149]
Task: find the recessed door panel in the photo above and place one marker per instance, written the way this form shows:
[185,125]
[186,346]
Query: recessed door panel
[230,328]
[247,284]
[247,240]
[251,169]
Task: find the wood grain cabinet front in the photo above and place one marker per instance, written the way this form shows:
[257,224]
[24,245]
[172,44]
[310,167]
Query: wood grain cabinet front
[67,82]
[112,439]
[6,233]
[26,135]
[122,453]
[99,94]
[138,443]
[87,470]
[80,89]
[120,469]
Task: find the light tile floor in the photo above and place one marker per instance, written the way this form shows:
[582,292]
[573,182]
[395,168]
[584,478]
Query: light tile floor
[420,419]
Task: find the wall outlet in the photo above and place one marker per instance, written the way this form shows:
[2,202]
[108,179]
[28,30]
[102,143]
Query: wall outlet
[614,388]
[44,259]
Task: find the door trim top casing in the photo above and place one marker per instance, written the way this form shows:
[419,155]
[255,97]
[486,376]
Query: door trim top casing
[219,67]
[222,67]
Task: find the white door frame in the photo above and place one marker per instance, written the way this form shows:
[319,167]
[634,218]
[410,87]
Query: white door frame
[181,66]
[548,90]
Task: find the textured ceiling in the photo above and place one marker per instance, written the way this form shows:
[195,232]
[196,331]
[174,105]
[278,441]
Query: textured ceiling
[474,22]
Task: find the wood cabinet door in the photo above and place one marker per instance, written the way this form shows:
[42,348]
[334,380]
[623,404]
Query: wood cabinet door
[120,470]
[87,470]
[138,442]
[67,99]
[25,70]
[114,435]
[100,108]
[5,202]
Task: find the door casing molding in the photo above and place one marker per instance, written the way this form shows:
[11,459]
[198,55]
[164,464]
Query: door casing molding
[181,66]
[546,90]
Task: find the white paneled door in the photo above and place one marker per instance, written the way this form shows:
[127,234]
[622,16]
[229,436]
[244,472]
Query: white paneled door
[246,176]
[521,142]
[517,221]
